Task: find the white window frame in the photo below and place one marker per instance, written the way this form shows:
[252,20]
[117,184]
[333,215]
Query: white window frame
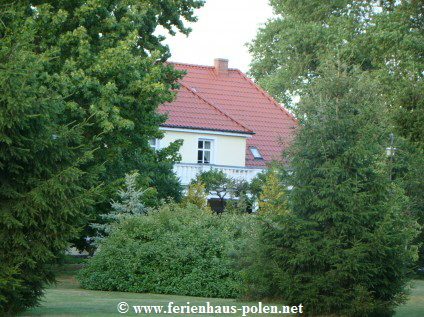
[211,150]
[156,146]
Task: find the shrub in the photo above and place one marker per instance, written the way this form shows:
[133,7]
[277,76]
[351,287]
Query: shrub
[174,250]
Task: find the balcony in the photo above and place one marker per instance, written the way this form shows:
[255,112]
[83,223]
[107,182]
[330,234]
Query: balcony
[186,172]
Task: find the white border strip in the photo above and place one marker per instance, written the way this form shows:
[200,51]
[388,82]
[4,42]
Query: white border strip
[199,131]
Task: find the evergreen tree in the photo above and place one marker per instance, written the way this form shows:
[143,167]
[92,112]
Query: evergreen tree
[272,199]
[129,203]
[79,85]
[385,38]
[345,247]
[44,182]
[196,195]
[111,62]
[216,183]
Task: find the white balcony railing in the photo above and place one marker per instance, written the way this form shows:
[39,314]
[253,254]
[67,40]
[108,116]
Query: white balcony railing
[186,172]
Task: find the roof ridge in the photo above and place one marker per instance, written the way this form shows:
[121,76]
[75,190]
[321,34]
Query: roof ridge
[198,65]
[266,95]
[215,107]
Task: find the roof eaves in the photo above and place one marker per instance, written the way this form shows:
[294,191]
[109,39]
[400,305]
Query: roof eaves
[205,129]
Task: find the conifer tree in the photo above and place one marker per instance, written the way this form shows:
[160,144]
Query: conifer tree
[345,247]
[130,203]
[44,178]
[272,199]
[196,195]
[383,37]
[80,82]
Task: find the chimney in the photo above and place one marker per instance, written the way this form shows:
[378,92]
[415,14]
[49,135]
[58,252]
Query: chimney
[221,67]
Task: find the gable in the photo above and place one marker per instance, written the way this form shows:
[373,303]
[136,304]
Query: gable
[242,102]
[190,111]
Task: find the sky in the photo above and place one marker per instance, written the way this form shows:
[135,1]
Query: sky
[222,29]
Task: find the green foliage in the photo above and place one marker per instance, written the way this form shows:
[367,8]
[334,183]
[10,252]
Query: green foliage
[216,183]
[196,195]
[79,85]
[256,268]
[130,204]
[272,199]
[160,173]
[174,250]
[385,38]
[235,195]
[346,247]
[44,182]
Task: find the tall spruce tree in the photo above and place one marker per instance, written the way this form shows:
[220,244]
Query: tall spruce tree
[79,85]
[44,182]
[383,37]
[345,249]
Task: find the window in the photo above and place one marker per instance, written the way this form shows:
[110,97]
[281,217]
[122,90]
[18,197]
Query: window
[154,144]
[204,151]
[255,152]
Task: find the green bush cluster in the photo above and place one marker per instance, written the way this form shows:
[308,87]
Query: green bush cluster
[173,250]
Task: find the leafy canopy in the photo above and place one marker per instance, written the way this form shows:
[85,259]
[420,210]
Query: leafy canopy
[79,85]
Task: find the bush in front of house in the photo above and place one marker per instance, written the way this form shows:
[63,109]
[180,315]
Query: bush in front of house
[173,250]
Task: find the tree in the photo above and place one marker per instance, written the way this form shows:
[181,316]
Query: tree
[272,199]
[287,52]
[216,183]
[129,203]
[196,195]
[44,182]
[111,64]
[384,38]
[80,83]
[345,248]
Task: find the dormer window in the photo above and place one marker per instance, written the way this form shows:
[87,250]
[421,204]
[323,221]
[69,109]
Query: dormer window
[255,152]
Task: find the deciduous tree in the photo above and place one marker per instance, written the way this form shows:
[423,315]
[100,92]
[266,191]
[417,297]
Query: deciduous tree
[80,83]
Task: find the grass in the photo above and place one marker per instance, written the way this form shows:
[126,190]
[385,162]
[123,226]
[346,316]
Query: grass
[66,299]
[415,305]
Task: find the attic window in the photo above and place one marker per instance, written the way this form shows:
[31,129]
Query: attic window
[193,89]
[255,153]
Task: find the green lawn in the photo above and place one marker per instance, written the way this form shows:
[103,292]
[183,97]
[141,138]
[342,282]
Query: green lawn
[415,305]
[66,299]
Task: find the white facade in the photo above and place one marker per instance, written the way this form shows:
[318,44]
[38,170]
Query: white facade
[203,149]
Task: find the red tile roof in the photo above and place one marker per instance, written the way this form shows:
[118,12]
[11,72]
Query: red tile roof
[232,103]
[190,111]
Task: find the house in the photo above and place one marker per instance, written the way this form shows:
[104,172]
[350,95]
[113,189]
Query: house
[226,122]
